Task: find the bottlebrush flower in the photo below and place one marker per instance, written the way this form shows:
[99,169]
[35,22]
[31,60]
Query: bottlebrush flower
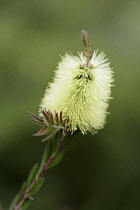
[81,89]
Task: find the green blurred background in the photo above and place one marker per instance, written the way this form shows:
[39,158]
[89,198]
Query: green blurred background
[100,172]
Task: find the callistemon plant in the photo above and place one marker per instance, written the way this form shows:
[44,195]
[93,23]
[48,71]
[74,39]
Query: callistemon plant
[75,101]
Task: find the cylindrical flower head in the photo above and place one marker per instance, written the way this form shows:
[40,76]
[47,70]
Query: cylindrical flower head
[81,91]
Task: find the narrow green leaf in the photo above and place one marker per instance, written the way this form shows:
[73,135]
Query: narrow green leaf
[44,131]
[25,204]
[14,202]
[32,175]
[22,189]
[57,159]
[50,136]
[55,143]
[36,187]
[46,155]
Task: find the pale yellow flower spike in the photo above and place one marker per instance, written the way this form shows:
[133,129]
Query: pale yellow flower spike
[81,89]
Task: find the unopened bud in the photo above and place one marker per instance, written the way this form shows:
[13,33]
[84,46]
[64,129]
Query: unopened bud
[85,38]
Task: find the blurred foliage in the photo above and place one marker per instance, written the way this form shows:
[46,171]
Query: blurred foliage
[97,172]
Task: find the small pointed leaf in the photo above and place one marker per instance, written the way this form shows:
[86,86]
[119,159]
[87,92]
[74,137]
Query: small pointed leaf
[32,174]
[25,204]
[36,117]
[41,131]
[51,135]
[64,122]
[55,143]
[60,117]
[46,115]
[51,119]
[57,159]
[47,131]
[36,187]
[38,122]
[23,188]
[56,118]
[46,155]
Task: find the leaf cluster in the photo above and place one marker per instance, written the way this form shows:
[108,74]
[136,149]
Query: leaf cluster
[51,123]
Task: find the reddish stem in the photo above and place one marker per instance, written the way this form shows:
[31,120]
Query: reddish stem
[45,168]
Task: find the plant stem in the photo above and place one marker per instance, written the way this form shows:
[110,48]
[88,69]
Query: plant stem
[45,168]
